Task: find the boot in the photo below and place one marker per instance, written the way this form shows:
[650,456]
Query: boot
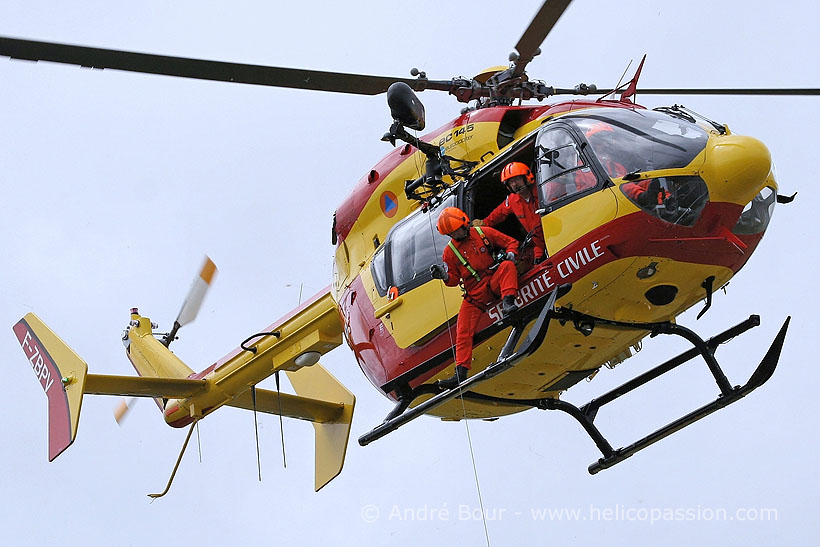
[508,305]
[453,381]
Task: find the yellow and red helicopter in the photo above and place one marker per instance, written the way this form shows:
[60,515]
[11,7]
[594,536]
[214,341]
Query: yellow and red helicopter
[618,269]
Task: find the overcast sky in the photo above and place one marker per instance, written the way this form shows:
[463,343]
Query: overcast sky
[115,185]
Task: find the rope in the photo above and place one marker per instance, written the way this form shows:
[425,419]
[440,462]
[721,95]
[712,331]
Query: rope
[460,397]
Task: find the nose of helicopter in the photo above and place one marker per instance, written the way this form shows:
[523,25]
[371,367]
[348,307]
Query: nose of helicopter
[736,168]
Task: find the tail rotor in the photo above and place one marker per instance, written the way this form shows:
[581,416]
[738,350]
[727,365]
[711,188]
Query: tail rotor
[187,314]
[192,303]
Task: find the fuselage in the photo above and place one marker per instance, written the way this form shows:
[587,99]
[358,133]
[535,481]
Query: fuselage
[628,259]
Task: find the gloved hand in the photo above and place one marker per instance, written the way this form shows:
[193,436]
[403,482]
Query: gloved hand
[511,256]
[438,271]
[477,222]
[539,259]
[650,197]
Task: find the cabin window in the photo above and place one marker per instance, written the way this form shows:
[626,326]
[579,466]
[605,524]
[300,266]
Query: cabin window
[756,215]
[415,246]
[677,200]
[379,269]
[410,248]
[563,171]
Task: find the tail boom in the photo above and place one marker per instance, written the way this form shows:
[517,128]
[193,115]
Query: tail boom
[293,344]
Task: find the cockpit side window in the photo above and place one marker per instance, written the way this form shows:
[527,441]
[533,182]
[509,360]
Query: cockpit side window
[677,200]
[562,170]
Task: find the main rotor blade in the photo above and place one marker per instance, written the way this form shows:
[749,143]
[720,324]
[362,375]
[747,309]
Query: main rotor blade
[537,32]
[338,82]
[794,91]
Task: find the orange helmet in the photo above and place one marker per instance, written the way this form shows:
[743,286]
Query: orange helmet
[601,136]
[516,169]
[451,219]
[598,128]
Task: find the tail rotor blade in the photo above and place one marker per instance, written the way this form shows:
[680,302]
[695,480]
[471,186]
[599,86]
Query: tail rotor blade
[122,409]
[190,308]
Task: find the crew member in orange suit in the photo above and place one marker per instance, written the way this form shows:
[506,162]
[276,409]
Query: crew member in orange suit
[646,193]
[522,202]
[467,260]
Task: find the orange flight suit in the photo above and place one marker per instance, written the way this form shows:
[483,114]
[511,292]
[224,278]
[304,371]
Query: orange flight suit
[524,211]
[635,191]
[480,293]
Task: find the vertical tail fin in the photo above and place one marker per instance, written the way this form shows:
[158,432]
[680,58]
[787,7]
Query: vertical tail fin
[61,373]
[316,382]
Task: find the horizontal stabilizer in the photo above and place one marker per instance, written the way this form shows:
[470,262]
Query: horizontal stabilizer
[290,406]
[142,386]
[62,375]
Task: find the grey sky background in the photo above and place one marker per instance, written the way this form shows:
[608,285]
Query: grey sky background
[115,185]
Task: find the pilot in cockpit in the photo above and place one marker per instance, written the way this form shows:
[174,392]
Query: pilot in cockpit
[602,140]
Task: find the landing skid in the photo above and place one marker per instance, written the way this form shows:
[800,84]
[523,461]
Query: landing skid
[585,415]
[706,349]
[506,360]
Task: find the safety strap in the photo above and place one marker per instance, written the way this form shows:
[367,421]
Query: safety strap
[463,260]
[483,237]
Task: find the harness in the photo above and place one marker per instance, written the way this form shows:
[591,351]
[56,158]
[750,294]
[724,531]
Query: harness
[463,260]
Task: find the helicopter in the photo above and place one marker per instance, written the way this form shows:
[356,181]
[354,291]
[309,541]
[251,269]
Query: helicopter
[366,242]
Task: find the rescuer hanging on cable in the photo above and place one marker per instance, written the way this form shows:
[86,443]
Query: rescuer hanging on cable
[522,202]
[469,260]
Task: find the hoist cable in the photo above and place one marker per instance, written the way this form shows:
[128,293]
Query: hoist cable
[460,397]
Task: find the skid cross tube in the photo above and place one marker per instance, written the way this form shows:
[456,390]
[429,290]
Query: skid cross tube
[666,327]
[591,408]
[585,415]
[506,360]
